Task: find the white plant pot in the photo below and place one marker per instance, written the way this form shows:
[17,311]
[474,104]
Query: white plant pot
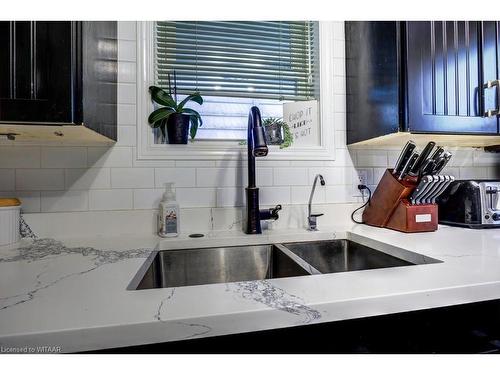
[9,225]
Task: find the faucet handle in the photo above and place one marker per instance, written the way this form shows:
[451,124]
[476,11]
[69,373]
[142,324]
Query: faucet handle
[316,215]
[270,213]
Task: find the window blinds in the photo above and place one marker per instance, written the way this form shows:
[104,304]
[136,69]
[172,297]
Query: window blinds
[270,60]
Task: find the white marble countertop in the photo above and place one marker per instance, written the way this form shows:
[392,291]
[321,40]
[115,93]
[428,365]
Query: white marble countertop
[73,294]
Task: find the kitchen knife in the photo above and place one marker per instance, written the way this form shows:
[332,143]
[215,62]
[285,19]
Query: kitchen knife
[426,168]
[420,188]
[443,188]
[409,164]
[437,153]
[422,158]
[430,186]
[404,157]
[441,163]
[434,189]
[431,180]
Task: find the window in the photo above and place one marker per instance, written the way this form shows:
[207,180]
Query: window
[236,65]
[225,144]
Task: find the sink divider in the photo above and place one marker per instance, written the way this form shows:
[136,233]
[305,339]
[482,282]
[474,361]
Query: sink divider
[301,262]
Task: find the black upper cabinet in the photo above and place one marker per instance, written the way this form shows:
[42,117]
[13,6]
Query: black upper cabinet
[421,77]
[448,63]
[36,71]
[62,73]
[373,79]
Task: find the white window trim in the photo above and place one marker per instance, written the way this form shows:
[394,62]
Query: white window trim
[229,150]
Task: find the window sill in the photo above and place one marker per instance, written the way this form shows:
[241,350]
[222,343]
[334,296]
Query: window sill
[228,150]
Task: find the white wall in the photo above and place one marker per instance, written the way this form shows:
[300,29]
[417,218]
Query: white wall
[67,179]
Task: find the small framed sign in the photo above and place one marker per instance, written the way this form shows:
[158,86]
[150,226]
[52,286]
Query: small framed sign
[302,118]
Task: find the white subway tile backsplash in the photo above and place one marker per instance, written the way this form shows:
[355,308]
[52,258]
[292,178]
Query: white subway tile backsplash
[85,179]
[64,201]
[20,157]
[331,175]
[40,179]
[392,158]
[219,177]
[372,158]
[290,176]
[126,135]
[113,199]
[461,158]
[300,194]
[263,176]
[126,72]
[273,195]
[126,30]
[194,163]
[64,157]
[183,177]
[231,197]
[126,114]
[30,200]
[147,198]
[339,194]
[494,172]
[482,158]
[476,172]
[132,178]
[197,197]
[126,93]
[109,157]
[377,175]
[126,50]
[7,179]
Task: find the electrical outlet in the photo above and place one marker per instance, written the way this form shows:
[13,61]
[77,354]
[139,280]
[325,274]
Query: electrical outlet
[360,177]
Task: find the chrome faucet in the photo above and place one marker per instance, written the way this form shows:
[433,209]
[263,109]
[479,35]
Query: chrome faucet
[257,147]
[312,218]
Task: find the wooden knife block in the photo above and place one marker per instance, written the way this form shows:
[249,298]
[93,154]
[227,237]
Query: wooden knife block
[390,208]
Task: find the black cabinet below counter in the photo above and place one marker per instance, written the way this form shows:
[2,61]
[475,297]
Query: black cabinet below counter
[58,81]
[422,81]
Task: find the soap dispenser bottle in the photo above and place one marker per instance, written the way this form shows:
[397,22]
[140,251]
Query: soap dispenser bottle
[169,213]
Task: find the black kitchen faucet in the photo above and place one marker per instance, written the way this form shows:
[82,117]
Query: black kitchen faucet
[257,147]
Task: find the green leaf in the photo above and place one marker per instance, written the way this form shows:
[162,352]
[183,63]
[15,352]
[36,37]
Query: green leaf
[194,126]
[163,124]
[192,112]
[162,97]
[196,97]
[159,114]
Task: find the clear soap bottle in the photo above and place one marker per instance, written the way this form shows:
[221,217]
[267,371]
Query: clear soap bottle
[169,213]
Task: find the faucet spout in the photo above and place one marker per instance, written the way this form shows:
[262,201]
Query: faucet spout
[312,218]
[257,147]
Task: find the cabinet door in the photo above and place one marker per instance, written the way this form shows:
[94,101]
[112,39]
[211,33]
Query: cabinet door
[36,71]
[447,66]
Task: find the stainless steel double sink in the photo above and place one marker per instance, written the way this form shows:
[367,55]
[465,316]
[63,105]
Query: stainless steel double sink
[175,268]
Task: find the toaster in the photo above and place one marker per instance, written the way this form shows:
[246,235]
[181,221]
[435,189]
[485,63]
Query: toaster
[471,203]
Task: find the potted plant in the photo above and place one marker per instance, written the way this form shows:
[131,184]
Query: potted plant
[277,132]
[173,118]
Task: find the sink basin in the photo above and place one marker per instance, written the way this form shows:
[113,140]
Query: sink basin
[342,256]
[175,268]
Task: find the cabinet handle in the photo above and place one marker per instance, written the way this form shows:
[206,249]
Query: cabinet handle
[489,85]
